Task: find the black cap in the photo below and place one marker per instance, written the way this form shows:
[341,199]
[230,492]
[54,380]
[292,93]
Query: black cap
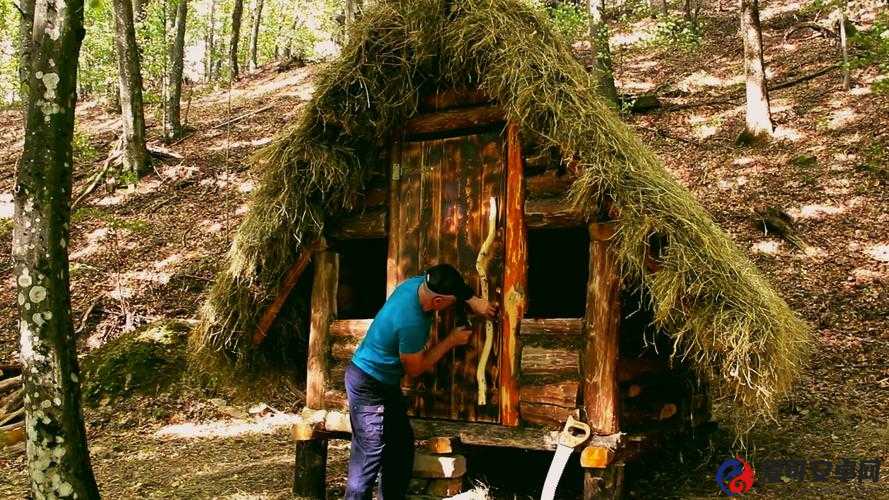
[443,279]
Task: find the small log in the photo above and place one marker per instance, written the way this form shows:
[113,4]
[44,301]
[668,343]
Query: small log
[553,213]
[350,327]
[323,312]
[441,488]
[596,457]
[458,119]
[453,98]
[559,326]
[548,184]
[5,419]
[11,400]
[562,394]
[370,224]
[309,477]
[10,369]
[633,368]
[287,284]
[543,361]
[12,436]
[342,348]
[634,390]
[667,411]
[439,445]
[10,382]
[548,416]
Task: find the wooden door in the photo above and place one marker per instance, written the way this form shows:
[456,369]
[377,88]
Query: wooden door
[439,214]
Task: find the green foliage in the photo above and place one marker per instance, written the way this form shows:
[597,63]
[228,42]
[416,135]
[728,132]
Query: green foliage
[871,47]
[97,66]
[572,21]
[84,152]
[5,228]
[9,86]
[675,31]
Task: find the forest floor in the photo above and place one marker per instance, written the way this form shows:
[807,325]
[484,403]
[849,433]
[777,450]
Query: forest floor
[147,253]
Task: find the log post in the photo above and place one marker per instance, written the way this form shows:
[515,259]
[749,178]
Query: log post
[309,476]
[600,388]
[515,277]
[323,313]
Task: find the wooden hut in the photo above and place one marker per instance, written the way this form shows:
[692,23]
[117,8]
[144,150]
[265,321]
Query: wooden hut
[444,123]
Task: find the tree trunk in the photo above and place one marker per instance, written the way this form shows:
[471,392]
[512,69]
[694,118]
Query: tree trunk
[58,458]
[135,158]
[237,12]
[759,118]
[599,44]
[176,51]
[254,36]
[209,43]
[844,46]
[24,48]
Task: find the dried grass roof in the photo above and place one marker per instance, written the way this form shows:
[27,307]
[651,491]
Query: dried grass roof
[707,296]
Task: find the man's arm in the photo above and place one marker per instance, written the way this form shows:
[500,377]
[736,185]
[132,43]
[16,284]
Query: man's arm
[423,361]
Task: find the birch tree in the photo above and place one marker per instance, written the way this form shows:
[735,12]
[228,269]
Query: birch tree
[759,116]
[58,458]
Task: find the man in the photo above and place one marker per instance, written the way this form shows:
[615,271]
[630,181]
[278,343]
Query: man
[382,438]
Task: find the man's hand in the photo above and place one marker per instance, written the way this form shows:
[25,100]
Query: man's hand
[482,307]
[460,336]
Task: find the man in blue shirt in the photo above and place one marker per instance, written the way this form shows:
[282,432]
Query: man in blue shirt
[382,438]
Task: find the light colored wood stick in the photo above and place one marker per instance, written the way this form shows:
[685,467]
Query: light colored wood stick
[12,416]
[481,265]
[10,382]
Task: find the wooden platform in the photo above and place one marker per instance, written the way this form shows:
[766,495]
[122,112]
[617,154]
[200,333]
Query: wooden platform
[335,425]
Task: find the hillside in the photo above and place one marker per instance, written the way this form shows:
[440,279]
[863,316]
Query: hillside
[149,253]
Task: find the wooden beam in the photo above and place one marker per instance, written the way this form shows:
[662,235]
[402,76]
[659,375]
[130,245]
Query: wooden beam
[550,361]
[287,284]
[556,326]
[543,213]
[449,121]
[323,312]
[468,433]
[350,327]
[394,219]
[559,394]
[453,98]
[515,278]
[600,360]
[363,226]
[597,457]
[548,184]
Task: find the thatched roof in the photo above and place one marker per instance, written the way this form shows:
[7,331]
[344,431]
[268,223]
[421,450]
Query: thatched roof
[707,296]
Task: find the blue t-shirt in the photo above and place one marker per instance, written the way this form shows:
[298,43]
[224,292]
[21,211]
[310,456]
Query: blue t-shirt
[401,326]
